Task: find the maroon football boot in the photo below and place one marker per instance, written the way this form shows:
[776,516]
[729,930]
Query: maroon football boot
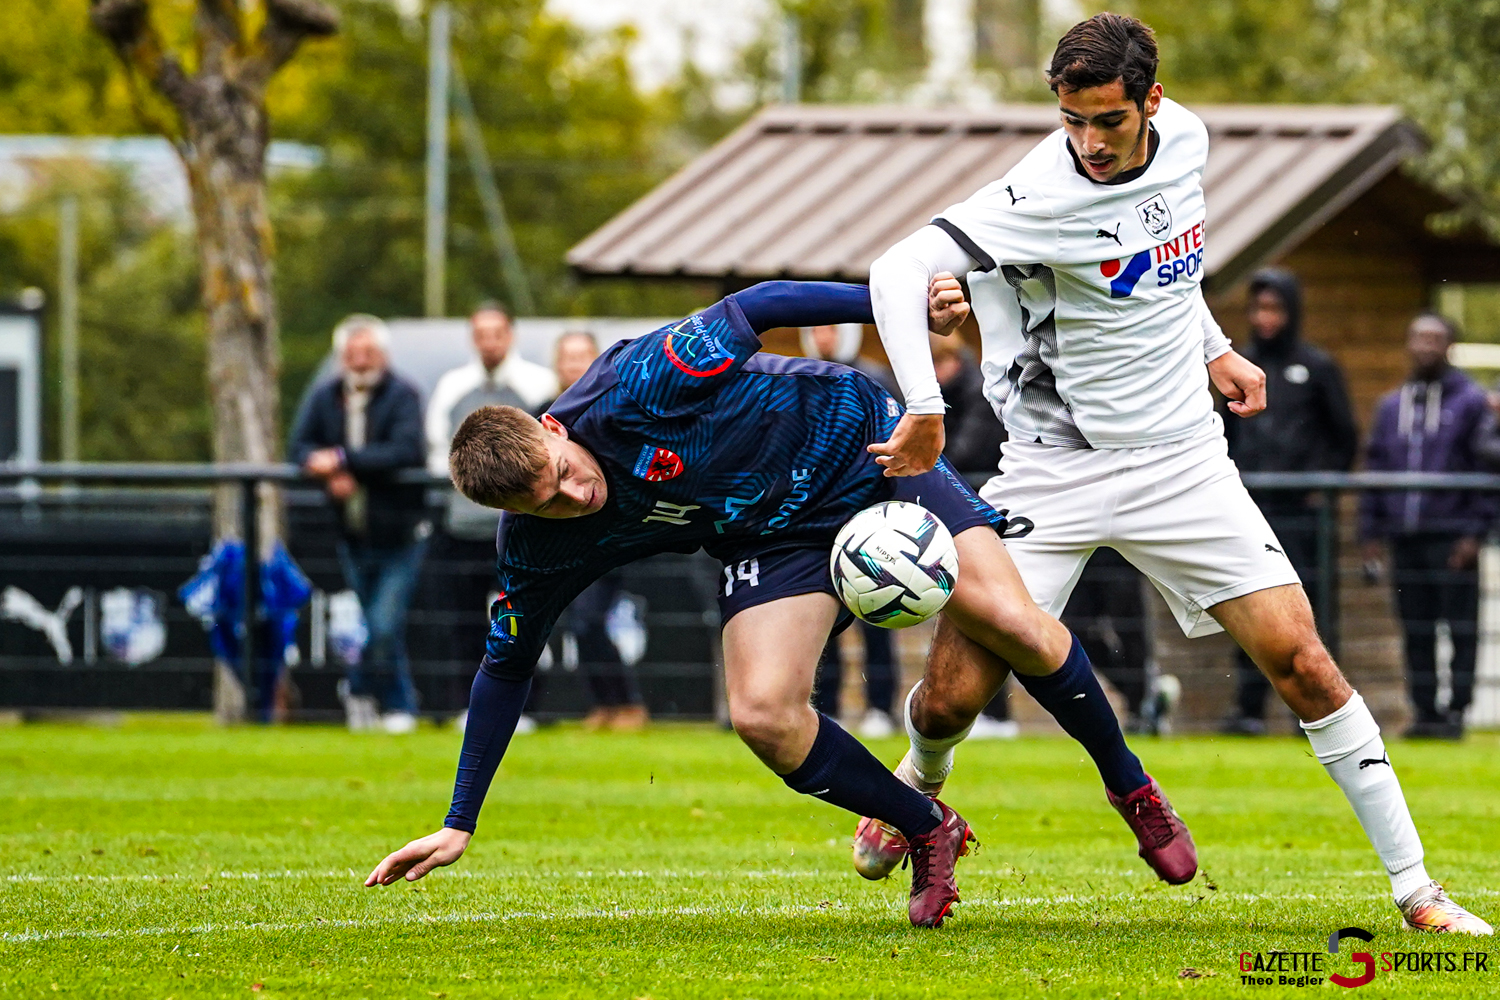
[1166,844]
[932,857]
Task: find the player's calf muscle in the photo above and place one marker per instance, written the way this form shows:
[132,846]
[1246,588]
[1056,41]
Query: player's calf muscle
[962,677]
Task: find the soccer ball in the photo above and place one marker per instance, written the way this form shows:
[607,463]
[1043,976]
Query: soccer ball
[894,564]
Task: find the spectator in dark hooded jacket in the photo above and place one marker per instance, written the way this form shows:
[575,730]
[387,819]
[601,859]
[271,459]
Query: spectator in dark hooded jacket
[1307,426]
[1434,422]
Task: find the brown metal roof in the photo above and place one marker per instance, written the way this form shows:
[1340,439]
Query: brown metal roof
[820,191]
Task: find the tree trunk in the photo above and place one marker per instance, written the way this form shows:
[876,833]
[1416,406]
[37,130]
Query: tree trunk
[221,133]
[224,158]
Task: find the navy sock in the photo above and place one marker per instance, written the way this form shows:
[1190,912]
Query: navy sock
[1077,702]
[840,771]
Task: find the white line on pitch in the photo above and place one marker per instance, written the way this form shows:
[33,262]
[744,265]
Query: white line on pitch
[873,906]
[29,937]
[622,873]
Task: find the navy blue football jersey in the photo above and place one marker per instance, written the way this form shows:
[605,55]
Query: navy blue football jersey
[704,444]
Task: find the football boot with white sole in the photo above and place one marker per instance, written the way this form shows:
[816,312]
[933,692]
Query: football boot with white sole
[1429,909]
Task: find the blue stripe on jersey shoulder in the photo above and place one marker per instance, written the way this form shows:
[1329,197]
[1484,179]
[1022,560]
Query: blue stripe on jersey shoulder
[780,364]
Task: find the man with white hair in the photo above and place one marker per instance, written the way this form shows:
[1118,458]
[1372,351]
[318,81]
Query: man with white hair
[355,431]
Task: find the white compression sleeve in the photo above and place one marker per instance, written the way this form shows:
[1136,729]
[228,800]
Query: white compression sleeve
[898,295]
[1349,747]
[931,760]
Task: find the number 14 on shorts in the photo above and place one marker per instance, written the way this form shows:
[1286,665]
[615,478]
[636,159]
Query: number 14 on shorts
[746,571]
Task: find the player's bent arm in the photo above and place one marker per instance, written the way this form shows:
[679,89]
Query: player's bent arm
[773,304]
[899,281]
[1215,344]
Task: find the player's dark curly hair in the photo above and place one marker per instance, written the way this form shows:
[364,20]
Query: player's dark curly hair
[497,454]
[1105,48]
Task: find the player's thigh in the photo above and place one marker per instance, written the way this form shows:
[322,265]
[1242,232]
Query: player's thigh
[1271,625]
[771,651]
[1051,530]
[991,605]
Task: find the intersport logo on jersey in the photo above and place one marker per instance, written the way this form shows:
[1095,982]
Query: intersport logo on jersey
[1179,257]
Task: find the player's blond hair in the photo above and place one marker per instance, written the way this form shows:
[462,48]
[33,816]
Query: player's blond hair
[496,455]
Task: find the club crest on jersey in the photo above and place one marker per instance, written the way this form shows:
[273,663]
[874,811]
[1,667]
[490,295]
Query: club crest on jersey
[1155,216]
[657,465]
[694,349]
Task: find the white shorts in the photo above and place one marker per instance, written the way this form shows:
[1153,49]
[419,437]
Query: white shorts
[1178,512]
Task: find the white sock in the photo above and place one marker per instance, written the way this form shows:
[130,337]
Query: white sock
[931,760]
[1349,747]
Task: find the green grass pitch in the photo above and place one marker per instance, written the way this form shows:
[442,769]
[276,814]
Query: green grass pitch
[167,858]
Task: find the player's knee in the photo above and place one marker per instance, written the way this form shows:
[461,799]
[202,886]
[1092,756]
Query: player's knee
[763,725]
[990,618]
[1304,659]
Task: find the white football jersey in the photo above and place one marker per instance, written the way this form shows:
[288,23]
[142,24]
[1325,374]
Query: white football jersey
[1088,295]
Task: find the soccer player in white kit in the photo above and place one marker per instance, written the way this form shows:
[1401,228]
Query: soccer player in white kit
[1084,265]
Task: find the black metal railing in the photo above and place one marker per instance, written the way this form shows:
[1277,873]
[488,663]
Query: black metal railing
[175,500]
[130,488]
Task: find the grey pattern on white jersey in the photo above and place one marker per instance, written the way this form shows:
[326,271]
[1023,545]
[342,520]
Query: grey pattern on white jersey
[1030,379]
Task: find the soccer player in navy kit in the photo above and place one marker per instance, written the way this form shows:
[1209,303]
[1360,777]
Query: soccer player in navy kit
[688,438]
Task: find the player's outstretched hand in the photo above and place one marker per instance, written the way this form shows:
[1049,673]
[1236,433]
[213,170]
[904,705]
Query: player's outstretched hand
[421,856]
[1241,382]
[914,448]
[946,306]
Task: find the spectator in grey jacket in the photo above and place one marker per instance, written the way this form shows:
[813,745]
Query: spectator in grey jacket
[1432,423]
[354,433]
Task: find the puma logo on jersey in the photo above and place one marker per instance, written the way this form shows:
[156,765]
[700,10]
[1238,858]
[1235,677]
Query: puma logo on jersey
[1105,234]
[1272,548]
[1372,761]
[670,513]
[1013,196]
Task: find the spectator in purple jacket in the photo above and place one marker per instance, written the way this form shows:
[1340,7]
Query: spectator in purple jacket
[1431,424]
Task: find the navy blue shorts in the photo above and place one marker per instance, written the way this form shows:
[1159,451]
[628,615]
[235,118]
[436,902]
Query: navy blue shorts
[789,569]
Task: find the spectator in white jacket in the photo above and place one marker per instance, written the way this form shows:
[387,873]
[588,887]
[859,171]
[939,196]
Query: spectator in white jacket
[464,551]
[498,376]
